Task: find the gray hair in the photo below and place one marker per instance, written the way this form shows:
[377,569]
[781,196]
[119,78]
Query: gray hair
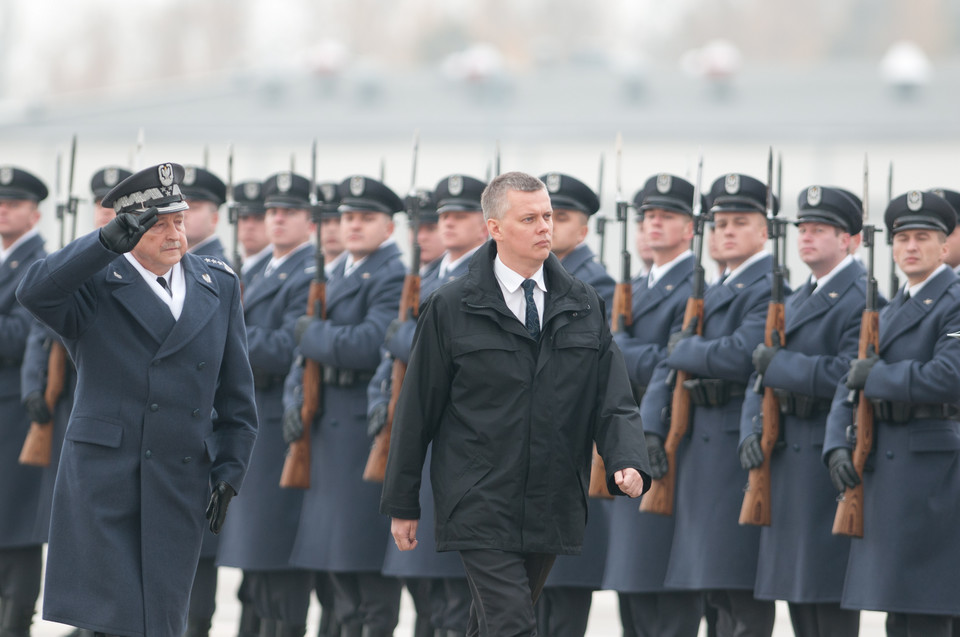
[493,201]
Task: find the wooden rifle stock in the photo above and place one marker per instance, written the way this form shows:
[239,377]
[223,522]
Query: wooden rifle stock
[659,499]
[376,467]
[296,468]
[849,518]
[757,498]
[622,316]
[38,444]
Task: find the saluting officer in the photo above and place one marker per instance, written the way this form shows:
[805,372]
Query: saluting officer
[711,552]
[800,560]
[636,570]
[204,192]
[340,529]
[251,228]
[20,486]
[462,230]
[906,562]
[574,203]
[266,517]
[163,411]
[564,605]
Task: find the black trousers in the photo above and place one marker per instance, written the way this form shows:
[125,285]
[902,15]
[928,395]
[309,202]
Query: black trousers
[504,586]
[739,614]
[281,595]
[916,625]
[203,595]
[366,599]
[824,620]
[450,603]
[20,574]
[563,611]
[675,614]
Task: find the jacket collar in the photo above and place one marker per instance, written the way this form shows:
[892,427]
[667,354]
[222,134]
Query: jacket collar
[16,257]
[262,287]
[579,256]
[899,317]
[341,286]
[824,299]
[719,296]
[648,298]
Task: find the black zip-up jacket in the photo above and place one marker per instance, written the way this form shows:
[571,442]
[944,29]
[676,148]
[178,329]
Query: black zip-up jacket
[512,420]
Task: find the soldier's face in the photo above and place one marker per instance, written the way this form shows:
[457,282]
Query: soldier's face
[739,236]
[288,228]
[665,230]
[252,233]
[17,217]
[102,215]
[163,245]
[428,237]
[201,220]
[524,235]
[953,248]
[462,230]
[363,232]
[569,229]
[330,235]
[822,246]
[919,252]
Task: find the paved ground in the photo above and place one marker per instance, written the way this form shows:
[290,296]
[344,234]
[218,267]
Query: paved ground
[604,620]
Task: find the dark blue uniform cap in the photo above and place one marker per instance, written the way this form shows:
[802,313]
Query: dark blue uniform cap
[154,187]
[19,184]
[364,194]
[916,210]
[667,192]
[329,199]
[286,190]
[458,192]
[105,179]
[735,192]
[569,193]
[830,205]
[199,183]
[952,197]
[428,206]
[248,198]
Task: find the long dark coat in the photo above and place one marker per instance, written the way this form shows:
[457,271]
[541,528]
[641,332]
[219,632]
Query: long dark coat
[340,529]
[143,446]
[512,420]
[909,559]
[263,521]
[20,491]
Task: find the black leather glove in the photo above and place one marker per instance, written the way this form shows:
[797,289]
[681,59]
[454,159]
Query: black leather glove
[392,329]
[687,332]
[762,355]
[302,324]
[860,369]
[217,509]
[124,231]
[751,454]
[657,455]
[842,473]
[378,418]
[292,425]
[37,408]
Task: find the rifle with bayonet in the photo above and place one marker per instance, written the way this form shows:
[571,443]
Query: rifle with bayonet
[659,499]
[376,467]
[233,217]
[38,445]
[601,220]
[783,226]
[894,280]
[849,518]
[621,316]
[296,467]
[757,498]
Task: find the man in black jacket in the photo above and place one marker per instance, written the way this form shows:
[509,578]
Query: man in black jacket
[512,403]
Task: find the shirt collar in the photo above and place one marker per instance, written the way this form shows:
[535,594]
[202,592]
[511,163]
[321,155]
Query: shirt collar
[446,264]
[352,265]
[657,272]
[743,266]
[915,289]
[511,280]
[821,282]
[29,234]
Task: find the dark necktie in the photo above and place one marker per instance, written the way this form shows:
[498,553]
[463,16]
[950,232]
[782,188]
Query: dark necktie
[533,317]
[163,283]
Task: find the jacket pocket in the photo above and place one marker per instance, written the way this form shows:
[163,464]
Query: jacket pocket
[939,439]
[566,339]
[469,344]
[95,432]
[475,471]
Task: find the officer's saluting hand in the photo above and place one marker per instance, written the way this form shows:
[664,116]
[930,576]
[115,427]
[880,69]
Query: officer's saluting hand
[123,232]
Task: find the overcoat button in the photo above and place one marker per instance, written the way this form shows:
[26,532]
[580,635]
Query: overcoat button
[154,407]
[195,413]
[890,455]
[201,365]
[187,459]
[796,447]
[148,453]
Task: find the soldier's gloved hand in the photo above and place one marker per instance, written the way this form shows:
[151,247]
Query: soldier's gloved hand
[302,324]
[762,355]
[392,329]
[217,508]
[687,332]
[37,408]
[751,454]
[124,231]
[860,369]
[377,420]
[657,455]
[842,473]
[292,426]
